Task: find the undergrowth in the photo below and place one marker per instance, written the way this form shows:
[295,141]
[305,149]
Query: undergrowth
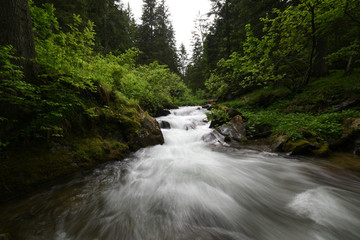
[300,125]
[308,113]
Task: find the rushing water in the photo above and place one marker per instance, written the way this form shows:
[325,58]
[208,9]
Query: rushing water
[189,189]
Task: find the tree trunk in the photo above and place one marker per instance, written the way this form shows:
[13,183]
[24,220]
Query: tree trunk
[320,68]
[350,65]
[105,25]
[313,46]
[17,30]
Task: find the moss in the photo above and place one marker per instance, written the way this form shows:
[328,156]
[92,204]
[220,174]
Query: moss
[88,150]
[301,146]
[290,145]
[323,151]
[115,149]
[126,115]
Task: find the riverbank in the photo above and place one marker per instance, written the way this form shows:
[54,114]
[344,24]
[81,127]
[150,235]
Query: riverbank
[321,119]
[27,165]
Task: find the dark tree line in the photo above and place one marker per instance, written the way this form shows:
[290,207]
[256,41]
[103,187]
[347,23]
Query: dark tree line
[251,44]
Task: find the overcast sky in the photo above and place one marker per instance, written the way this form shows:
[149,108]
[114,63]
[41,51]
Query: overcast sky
[183,13]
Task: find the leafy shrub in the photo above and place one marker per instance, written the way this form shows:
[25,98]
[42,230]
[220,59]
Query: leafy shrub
[218,116]
[13,89]
[300,125]
[249,70]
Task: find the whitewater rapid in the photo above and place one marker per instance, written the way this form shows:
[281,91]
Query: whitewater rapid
[189,189]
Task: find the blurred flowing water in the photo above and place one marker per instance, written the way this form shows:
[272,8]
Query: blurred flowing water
[189,189]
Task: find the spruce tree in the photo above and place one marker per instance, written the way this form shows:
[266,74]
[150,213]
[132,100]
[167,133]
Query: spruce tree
[183,60]
[156,36]
[146,34]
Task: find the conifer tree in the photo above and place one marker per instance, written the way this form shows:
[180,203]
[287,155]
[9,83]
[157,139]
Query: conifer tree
[146,33]
[183,60]
[156,35]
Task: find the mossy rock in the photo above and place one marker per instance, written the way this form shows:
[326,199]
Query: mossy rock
[149,135]
[299,147]
[115,149]
[87,150]
[277,143]
[324,150]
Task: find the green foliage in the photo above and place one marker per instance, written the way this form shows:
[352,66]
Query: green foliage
[218,115]
[298,40]
[300,125]
[344,53]
[114,24]
[154,86]
[66,55]
[189,99]
[77,84]
[13,89]
[217,86]
[254,68]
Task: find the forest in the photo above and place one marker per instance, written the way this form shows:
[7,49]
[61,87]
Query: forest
[72,73]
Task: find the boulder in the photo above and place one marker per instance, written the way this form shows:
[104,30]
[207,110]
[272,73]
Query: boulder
[234,130]
[348,140]
[299,147]
[214,137]
[277,143]
[150,133]
[164,125]
[190,126]
[226,113]
[162,112]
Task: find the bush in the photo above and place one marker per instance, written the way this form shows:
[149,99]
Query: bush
[300,125]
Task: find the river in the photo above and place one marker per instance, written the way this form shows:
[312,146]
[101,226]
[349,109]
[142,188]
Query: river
[189,189]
